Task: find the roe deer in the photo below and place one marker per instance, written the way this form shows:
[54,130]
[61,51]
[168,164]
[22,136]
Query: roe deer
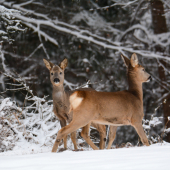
[110,108]
[61,104]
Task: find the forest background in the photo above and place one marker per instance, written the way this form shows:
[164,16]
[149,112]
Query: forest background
[92,35]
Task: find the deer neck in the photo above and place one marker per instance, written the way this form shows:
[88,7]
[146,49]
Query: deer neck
[135,87]
[59,93]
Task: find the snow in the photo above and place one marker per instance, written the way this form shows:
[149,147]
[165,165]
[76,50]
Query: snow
[135,158]
[85,60]
[167,130]
[2,32]
[7,12]
[155,121]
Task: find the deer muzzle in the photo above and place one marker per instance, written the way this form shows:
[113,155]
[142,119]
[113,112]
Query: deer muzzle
[149,79]
[56,80]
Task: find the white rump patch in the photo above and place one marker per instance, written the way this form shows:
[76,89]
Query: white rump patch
[75,101]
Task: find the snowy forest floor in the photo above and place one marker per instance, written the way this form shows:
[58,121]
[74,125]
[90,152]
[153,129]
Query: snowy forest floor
[142,158]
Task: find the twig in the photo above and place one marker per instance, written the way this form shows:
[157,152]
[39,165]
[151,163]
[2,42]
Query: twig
[16,118]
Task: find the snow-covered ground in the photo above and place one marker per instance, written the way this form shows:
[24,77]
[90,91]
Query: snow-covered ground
[155,157]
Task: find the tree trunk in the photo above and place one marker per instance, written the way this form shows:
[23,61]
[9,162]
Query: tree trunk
[159,26]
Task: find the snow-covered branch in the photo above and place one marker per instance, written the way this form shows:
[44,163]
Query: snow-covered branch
[123,5]
[29,22]
[162,39]
[11,24]
[20,81]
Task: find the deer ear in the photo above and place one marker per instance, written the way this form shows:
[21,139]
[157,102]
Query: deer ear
[48,64]
[63,64]
[126,60]
[134,60]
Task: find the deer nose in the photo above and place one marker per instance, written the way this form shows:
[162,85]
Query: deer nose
[56,80]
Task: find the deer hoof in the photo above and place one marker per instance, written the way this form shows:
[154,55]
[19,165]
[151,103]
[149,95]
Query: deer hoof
[62,149]
[76,150]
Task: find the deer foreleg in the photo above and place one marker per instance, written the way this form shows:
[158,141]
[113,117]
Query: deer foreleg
[63,124]
[72,127]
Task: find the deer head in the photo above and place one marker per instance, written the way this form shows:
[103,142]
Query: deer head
[135,69]
[56,71]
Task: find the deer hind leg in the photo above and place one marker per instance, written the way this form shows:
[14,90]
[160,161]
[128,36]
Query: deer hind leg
[112,135]
[73,138]
[72,127]
[141,133]
[102,132]
[85,135]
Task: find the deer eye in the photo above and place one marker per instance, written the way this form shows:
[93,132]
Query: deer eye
[51,73]
[143,69]
[60,73]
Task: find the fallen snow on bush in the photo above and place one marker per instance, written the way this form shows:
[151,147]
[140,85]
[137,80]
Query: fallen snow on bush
[31,125]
